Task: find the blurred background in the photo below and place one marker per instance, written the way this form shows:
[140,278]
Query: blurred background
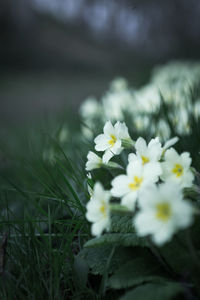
[55,53]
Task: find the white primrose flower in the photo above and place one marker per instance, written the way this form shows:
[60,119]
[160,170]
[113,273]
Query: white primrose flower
[147,153]
[162,212]
[111,140]
[98,211]
[87,132]
[93,162]
[138,177]
[196,109]
[116,102]
[90,108]
[162,129]
[141,122]
[148,99]
[177,168]
[119,84]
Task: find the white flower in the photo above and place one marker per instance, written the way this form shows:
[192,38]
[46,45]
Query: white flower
[87,132]
[128,186]
[90,108]
[93,162]
[181,120]
[177,168]
[111,140]
[163,212]
[147,153]
[116,102]
[162,129]
[141,122]
[98,211]
[119,84]
[148,99]
[63,134]
[196,109]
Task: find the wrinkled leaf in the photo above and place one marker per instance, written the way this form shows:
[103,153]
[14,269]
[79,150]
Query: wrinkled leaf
[123,239]
[153,291]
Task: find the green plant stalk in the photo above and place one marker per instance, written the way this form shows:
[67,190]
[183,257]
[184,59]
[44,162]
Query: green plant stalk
[196,262]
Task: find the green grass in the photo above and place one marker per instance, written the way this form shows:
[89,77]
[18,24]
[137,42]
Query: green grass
[42,217]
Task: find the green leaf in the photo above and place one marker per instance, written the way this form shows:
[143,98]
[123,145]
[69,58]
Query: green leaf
[153,291]
[96,258]
[124,239]
[136,271]
[177,255]
[122,224]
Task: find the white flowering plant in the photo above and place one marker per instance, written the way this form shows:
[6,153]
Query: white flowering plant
[166,106]
[142,208]
[146,146]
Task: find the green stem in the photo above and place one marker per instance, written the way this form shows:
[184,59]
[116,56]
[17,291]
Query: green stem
[162,260]
[195,269]
[192,249]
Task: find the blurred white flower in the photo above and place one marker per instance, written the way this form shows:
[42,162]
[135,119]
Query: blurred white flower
[90,108]
[163,212]
[111,140]
[162,129]
[196,109]
[98,211]
[150,153]
[116,102]
[119,84]
[177,168]
[148,99]
[93,162]
[138,177]
[63,134]
[141,122]
[181,120]
[87,132]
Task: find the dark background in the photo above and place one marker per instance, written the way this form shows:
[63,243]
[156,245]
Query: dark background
[55,53]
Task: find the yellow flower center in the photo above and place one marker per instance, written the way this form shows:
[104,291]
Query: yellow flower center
[103,209]
[163,211]
[113,140]
[137,181]
[144,159]
[178,170]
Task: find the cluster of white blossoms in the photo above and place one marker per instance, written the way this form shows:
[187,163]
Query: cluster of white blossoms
[174,84]
[151,186]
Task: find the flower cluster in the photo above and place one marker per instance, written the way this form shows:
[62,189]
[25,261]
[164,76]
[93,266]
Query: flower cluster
[151,184]
[175,84]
